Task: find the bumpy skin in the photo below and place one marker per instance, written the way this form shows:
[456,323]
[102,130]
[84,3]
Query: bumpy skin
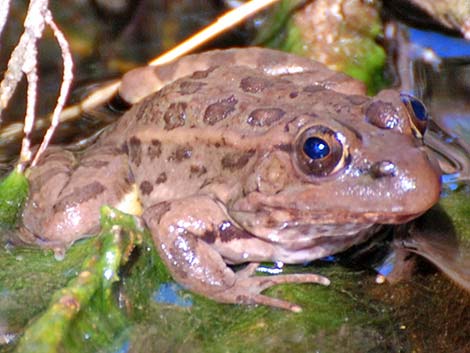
[219,162]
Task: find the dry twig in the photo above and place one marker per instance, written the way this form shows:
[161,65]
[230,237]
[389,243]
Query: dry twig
[64,88]
[222,24]
[4,10]
[23,61]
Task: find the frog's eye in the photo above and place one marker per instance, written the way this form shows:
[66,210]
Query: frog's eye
[320,151]
[418,114]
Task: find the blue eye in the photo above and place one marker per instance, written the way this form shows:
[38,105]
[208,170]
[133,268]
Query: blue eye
[316,148]
[320,152]
[418,112]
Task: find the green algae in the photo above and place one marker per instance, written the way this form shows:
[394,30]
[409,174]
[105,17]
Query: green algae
[332,318]
[84,309]
[457,205]
[351,315]
[13,192]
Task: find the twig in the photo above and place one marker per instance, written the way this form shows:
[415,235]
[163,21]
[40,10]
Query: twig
[32,77]
[64,88]
[222,24]
[4,10]
[21,61]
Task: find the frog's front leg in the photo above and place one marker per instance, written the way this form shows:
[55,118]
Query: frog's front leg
[192,237]
[66,194]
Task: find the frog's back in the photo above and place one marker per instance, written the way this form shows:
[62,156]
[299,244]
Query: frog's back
[236,99]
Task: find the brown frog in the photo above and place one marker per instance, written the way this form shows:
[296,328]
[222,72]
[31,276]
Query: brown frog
[244,155]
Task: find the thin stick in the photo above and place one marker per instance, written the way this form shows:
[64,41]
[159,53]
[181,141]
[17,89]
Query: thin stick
[4,10]
[32,77]
[64,88]
[221,25]
[20,60]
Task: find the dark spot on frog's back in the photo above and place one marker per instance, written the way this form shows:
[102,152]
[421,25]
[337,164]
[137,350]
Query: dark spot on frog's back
[135,150]
[190,87]
[161,178]
[382,114]
[180,153]
[313,88]
[265,117]
[220,110]
[80,195]
[149,110]
[146,187]
[253,84]
[175,116]
[202,74]
[154,149]
[197,170]
[293,94]
[234,161]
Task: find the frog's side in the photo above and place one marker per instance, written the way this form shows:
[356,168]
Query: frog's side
[223,174]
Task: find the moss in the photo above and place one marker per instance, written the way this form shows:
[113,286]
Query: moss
[13,192]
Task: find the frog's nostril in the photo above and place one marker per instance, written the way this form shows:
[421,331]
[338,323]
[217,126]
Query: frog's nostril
[383,169]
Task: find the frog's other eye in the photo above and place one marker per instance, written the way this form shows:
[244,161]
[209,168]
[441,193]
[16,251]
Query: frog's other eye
[419,116]
[320,151]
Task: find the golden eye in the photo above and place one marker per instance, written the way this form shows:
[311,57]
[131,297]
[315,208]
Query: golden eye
[418,113]
[320,152]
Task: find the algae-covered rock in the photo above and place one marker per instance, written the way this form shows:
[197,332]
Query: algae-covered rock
[340,34]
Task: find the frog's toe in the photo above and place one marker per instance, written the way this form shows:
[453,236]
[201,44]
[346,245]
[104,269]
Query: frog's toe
[252,287]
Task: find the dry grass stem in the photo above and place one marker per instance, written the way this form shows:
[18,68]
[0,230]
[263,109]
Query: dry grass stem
[222,24]
[4,10]
[23,57]
[23,61]
[32,77]
[64,88]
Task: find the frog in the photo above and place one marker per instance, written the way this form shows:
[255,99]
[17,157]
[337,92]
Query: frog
[241,156]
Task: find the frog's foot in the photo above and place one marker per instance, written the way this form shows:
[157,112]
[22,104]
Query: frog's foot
[190,244]
[248,290]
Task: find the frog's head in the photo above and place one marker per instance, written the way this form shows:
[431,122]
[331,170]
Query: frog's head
[343,172]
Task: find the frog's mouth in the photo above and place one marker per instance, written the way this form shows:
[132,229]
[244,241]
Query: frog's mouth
[294,229]
[270,212]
